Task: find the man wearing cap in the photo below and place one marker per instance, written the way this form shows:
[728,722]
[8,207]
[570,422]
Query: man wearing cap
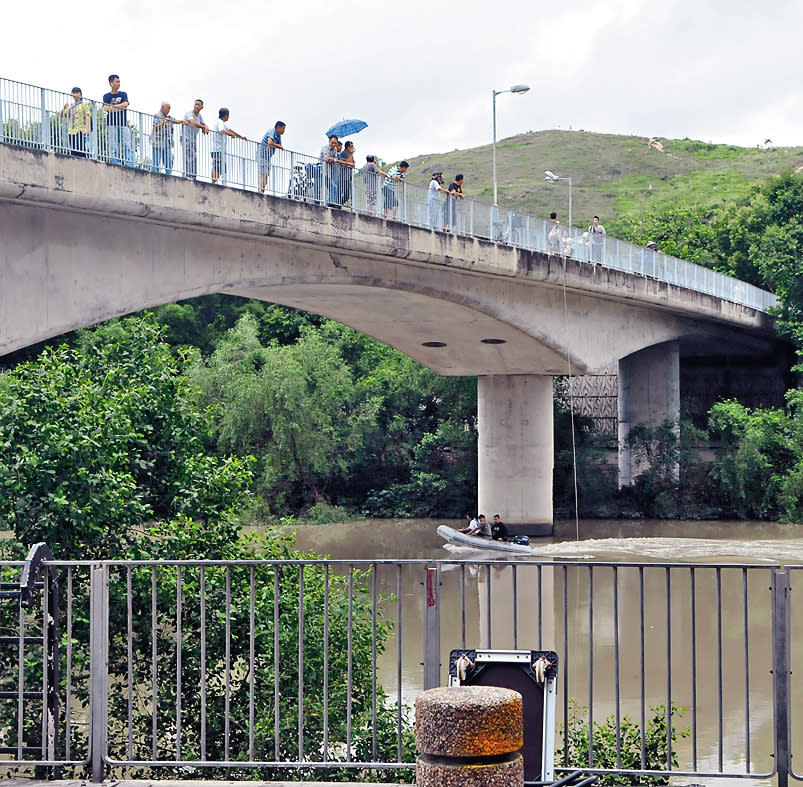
[222,131]
[115,102]
[79,123]
[193,121]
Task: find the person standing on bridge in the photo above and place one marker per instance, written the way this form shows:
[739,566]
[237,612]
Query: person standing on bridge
[115,102]
[596,238]
[450,205]
[433,200]
[222,131]
[271,142]
[394,177]
[79,123]
[193,122]
[162,139]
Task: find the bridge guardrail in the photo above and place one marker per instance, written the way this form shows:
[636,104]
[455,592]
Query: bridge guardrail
[277,664]
[38,117]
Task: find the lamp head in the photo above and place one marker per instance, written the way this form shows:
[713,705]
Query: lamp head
[550,175]
[519,88]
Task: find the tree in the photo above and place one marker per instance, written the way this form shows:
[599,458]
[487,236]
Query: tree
[97,440]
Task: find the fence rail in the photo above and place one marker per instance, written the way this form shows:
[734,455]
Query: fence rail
[40,118]
[313,665]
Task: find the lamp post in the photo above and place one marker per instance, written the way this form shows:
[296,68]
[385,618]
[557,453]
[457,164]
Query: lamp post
[553,178]
[494,94]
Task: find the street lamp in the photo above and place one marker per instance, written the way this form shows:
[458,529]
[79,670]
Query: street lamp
[553,178]
[494,94]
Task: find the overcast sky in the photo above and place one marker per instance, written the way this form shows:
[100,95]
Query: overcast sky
[421,73]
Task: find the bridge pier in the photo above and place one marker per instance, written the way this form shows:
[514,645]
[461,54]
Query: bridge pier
[515,451]
[649,393]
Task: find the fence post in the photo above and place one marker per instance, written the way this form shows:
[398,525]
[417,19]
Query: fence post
[432,627]
[780,672]
[98,669]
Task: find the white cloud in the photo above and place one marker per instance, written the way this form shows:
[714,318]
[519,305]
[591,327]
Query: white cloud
[421,73]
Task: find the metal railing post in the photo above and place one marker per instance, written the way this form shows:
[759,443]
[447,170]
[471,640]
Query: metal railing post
[432,627]
[44,131]
[98,669]
[780,672]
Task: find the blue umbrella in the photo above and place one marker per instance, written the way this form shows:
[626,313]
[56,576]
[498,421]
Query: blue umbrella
[345,127]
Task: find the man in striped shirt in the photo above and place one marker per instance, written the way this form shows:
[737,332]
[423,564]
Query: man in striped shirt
[394,177]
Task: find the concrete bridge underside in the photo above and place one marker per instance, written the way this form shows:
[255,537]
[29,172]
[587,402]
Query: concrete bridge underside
[81,242]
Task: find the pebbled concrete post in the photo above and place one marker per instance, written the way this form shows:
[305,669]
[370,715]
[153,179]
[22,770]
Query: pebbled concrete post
[469,736]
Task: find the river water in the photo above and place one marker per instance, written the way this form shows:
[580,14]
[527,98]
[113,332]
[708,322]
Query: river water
[654,622]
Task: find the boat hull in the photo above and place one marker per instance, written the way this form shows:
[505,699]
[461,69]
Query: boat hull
[476,542]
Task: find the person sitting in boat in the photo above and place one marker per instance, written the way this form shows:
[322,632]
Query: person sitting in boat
[483,527]
[498,529]
[471,524]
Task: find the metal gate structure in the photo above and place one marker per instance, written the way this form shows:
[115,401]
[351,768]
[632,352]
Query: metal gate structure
[214,667]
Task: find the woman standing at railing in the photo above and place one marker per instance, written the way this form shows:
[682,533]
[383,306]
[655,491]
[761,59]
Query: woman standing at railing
[346,160]
[79,123]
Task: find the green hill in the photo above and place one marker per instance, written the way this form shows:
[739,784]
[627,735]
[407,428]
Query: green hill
[611,174]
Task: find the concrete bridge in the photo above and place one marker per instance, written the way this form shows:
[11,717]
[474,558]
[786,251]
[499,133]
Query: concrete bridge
[82,241]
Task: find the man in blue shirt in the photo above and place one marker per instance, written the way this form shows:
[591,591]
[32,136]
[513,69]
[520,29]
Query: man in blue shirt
[117,132]
[267,147]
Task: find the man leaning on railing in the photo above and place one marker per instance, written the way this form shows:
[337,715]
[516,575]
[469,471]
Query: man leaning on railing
[193,121]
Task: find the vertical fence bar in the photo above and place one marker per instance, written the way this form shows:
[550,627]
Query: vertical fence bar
[326,664]
[130,658]
[693,598]
[202,612]
[349,664]
[374,649]
[251,660]
[515,609]
[21,684]
[227,669]
[668,581]
[617,687]
[488,606]
[178,662]
[98,669]
[68,687]
[781,630]
[746,670]
[276,649]
[720,721]
[399,652]
[642,669]
[432,628]
[300,663]
[591,665]
[154,668]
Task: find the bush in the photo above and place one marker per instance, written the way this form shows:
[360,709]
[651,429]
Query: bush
[621,750]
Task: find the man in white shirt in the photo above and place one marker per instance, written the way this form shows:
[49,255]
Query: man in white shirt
[222,131]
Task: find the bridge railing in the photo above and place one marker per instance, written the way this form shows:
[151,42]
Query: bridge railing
[40,118]
[665,669]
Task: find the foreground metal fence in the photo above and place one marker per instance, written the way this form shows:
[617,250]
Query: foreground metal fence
[217,667]
[39,118]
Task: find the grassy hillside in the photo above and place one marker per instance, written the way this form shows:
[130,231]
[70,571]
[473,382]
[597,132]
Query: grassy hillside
[611,174]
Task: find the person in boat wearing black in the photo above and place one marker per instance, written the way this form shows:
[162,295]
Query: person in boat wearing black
[498,529]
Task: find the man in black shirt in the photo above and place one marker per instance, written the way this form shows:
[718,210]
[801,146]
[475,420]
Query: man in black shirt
[118,134]
[498,529]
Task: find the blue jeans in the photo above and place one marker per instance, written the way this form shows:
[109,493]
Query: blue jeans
[120,145]
[162,157]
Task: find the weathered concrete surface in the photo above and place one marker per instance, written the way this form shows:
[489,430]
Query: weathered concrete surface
[469,735]
[515,451]
[82,241]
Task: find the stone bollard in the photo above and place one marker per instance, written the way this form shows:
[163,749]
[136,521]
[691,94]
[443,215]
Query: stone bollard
[469,736]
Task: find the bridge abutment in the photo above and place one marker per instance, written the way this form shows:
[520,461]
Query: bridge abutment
[516,447]
[649,393]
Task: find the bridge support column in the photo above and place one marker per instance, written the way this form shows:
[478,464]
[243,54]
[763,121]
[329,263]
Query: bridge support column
[516,454]
[649,393]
